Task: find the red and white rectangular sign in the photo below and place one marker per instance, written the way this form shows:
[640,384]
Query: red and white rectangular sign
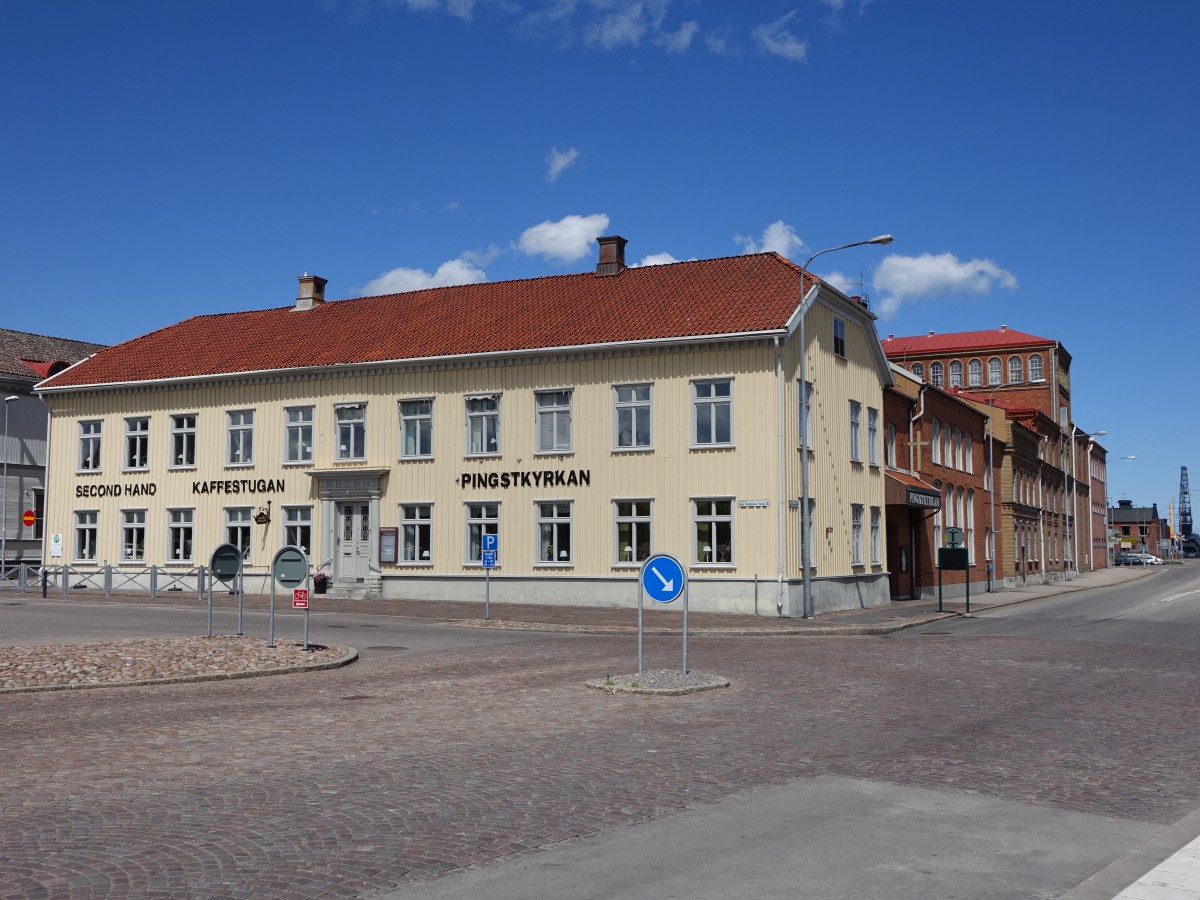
[300,598]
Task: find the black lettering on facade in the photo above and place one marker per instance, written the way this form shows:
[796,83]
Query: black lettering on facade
[504,480]
[585,477]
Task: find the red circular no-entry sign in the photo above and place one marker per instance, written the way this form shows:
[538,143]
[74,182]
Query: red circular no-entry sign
[28,518]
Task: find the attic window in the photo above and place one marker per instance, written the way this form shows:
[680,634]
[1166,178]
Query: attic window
[839,337]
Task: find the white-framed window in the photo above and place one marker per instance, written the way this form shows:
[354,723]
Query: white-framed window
[631,531]
[712,521]
[1036,373]
[87,530]
[938,517]
[179,535]
[237,529]
[872,436]
[416,428]
[133,535]
[416,519]
[631,416]
[948,437]
[298,434]
[958,459]
[839,337]
[552,419]
[137,443]
[855,431]
[876,558]
[89,445]
[483,425]
[956,373]
[554,532]
[995,371]
[297,528]
[918,369]
[974,373]
[482,518]
[968,453]
[856,534]
[712,412]
[1014,370]
[890,452]
[240,447]
[183,441]
[935,374]
[351,421]
[805,418]
[935,442]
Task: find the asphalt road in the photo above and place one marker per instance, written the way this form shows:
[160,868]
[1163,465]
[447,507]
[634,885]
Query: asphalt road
[1013,755]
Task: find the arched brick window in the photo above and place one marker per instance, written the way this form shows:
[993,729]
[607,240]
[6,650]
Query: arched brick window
[1014,370]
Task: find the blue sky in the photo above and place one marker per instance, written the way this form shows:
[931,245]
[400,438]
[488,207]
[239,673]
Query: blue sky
[1036,162]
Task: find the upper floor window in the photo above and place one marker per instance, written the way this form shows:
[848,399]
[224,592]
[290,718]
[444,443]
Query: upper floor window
[958,448]
[298,437]
[918,369]
[1035,368]
[1014,370]
[351,431]
[712,404]
[89,444]
[137,443]
[806,396]
[995,370]
[935,444]
[416,428]
[974,373]
[631,413]
[183,441]
[240,425]
[839,337]
[935,374]
[855,426]
[552,418]
[956,374]
[873,436]
[483,425]
[890,452]
[968,453]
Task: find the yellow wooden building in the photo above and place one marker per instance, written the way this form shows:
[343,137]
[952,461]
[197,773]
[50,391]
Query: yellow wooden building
[587,420]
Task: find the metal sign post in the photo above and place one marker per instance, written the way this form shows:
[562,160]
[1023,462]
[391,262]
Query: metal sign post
[289,568]
[491,549]
[225,565]
[663,578]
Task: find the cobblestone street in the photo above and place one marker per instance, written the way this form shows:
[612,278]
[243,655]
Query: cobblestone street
[365,778]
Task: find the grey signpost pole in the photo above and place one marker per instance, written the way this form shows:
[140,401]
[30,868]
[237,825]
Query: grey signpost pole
[225,566]
[490,544]
[290,568]
[664,579]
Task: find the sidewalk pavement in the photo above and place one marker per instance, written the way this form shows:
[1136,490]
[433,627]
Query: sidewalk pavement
[657,618]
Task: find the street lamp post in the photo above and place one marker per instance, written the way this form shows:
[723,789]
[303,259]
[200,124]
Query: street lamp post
[1073,558]
[805,517]
[1108,508]
[4,494]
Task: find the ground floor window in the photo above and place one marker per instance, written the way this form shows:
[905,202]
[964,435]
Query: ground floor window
[237,529]
[632,530]
[86,531]
[297,527]
[875,513]
[554,532]
[133,535]
[482,518]
[417,519]
[179,535]
[713,528]
[856,535]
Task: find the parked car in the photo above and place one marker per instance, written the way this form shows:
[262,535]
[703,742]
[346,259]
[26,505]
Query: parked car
[1137,559]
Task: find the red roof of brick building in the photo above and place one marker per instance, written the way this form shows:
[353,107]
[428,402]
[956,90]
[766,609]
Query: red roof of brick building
[963,341]
[720,297]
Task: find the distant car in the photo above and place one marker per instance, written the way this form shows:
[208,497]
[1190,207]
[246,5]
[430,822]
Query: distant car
[1125,559]
[1137,559]
[1151,560]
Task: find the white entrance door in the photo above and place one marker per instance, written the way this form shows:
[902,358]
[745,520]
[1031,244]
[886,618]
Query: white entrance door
[354,541]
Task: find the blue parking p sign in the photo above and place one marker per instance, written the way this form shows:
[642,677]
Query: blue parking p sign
[489,559]
[491,542]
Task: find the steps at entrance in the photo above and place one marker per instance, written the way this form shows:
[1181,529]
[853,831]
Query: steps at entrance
[355,590]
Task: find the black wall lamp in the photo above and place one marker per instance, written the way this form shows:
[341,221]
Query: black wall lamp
[263,516]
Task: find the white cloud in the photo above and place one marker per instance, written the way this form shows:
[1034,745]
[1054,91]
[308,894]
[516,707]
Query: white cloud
[460,9]
[902,278]
[777,40]
[678,41]
[559,161]
[454,271]
[566,240]
[779,237]
[625,22]
[656,259]
[847,284]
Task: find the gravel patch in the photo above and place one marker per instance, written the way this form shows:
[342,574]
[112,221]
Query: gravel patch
[66,666]
[667,682]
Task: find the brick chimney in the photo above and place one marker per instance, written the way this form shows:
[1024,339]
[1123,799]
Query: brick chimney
[312,292]
[612,255]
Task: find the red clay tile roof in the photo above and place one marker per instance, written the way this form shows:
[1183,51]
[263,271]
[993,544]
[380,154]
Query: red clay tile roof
[733,295]
[964,341]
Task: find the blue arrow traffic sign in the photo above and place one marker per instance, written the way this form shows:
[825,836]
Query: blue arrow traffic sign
[663,578]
